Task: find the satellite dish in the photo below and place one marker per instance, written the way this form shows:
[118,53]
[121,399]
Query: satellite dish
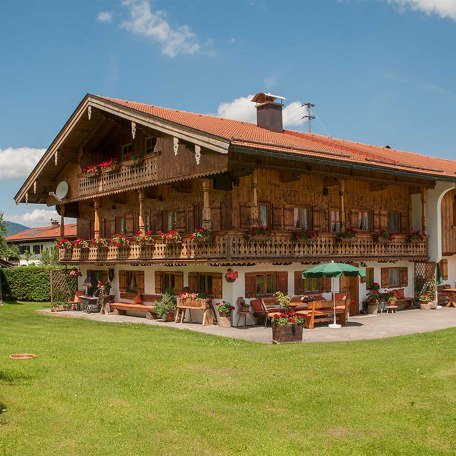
[62,190]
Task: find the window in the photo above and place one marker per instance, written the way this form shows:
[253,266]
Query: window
[127,149]
[169,280]
[394,277]
[334,220]
[394,222]
[131,281]
[121,226]
[169,220]
[37,248]
[24,249]
[150,145]
[209,284]
[265,283]
[304,286]
[95,276]
[363,221]
[265,214]
[301,217]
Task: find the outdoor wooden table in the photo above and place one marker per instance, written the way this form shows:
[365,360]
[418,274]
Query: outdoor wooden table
[451,292]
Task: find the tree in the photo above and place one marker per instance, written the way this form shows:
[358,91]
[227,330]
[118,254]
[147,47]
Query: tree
[50,256]
[5,249]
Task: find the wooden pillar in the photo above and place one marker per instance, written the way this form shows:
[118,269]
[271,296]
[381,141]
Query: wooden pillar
[207,219]
[96,222]
[62,220]
[342,204]
[423,211]
[255,209]
[141,210]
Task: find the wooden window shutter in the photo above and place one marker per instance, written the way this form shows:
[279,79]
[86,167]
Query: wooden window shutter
[193,282]
[158,282]
[178,282]
[317,218]
[404,223]
[354,219]
[298,283]
[376,221]
[384,278]
[129,225]
[217,285]
[180,220]
[123,281]
[282,281]
[277,217]
[250,285]
[325,284]
[140,281]
[288,217]
[403,274]
[444,269]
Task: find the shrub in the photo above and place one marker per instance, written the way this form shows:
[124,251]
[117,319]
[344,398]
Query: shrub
[27,283]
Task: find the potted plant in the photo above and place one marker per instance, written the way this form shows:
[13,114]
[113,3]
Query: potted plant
[64,244]
[91,171]
[426,300]
[259,233]
[392,299]
[286,324]
[383,236]
[242,305]
[119,241]
[100,242]
[109,166]
[103,288]
[166,307]
[171,237]
[304,235]
[133,159]
[202,235]
[81,243]
[347,236]
[144,237]
[373,299]
[224,310]
[415,237]
[231,276]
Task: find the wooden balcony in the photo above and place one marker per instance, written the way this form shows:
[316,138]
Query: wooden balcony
[124,178]
[234,248]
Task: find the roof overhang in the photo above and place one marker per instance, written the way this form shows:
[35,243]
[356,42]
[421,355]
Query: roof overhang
[203,139]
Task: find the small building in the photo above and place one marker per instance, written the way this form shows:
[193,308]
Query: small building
[33,241]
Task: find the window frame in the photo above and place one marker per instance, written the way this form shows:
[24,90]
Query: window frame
[268,213]
[398,222]
[146,139]
[298,218]
[337,221]
[126,149]
[363,223]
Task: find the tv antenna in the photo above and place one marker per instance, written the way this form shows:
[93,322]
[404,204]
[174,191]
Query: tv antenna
[308,114]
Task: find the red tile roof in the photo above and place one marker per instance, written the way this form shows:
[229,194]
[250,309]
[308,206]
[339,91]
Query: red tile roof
[43,233]
[244,134]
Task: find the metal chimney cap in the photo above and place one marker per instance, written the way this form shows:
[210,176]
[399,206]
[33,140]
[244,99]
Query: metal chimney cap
[262,97]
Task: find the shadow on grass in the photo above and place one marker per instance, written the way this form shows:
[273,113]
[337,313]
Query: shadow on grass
[13,377]
[14,303]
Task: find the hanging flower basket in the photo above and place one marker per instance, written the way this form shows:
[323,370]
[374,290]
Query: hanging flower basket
[231,276]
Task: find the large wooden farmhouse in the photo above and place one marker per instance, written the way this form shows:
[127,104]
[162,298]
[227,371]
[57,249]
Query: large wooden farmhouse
[272,202]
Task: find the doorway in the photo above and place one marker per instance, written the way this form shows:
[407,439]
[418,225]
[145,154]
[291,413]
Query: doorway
[350,287]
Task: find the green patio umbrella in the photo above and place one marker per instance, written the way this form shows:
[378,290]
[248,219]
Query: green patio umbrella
[333,270]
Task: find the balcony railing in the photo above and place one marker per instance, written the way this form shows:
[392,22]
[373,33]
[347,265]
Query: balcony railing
[125,177]
[229,247]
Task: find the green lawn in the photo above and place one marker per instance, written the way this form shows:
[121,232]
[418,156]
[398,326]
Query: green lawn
[105,389]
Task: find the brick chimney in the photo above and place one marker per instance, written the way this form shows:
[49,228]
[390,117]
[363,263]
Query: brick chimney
[269,112]
[55,222]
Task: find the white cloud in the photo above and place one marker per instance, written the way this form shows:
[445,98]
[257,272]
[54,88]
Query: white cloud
[442,8]
[104,16]
[37,217]
[243,109]
[152,25]
[18,162]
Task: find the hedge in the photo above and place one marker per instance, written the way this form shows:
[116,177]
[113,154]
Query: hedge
[26,283]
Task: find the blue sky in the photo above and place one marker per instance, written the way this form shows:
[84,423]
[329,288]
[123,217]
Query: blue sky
[379,71]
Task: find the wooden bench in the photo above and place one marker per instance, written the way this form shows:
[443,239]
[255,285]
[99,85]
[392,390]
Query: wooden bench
[121,308]
[322,311]
[204,305]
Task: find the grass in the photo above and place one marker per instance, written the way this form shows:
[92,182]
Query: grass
[102,389]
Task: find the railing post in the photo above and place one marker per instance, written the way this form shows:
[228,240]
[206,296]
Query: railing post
[96,221]
[141,210]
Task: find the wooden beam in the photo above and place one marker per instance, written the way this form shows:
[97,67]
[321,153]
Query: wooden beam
[423,211]
[141,210]
[255,214]
[342,204]
[96,207]
[207,221]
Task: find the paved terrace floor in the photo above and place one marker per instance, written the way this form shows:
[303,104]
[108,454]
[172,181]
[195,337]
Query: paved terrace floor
[360,327]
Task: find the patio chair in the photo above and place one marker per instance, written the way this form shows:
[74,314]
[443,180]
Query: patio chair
[76,303]
[265,308]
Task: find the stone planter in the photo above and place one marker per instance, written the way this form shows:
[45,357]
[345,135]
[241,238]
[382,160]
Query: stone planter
[286,333]
[224,320]
[426,305]
[372,308]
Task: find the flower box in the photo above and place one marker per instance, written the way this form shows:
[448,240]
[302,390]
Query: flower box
[92,174]
[260,238]
[286,333]
[347,240]
[131,163]
[111,169]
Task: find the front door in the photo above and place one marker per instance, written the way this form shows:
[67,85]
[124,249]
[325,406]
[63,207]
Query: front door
[350,287]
